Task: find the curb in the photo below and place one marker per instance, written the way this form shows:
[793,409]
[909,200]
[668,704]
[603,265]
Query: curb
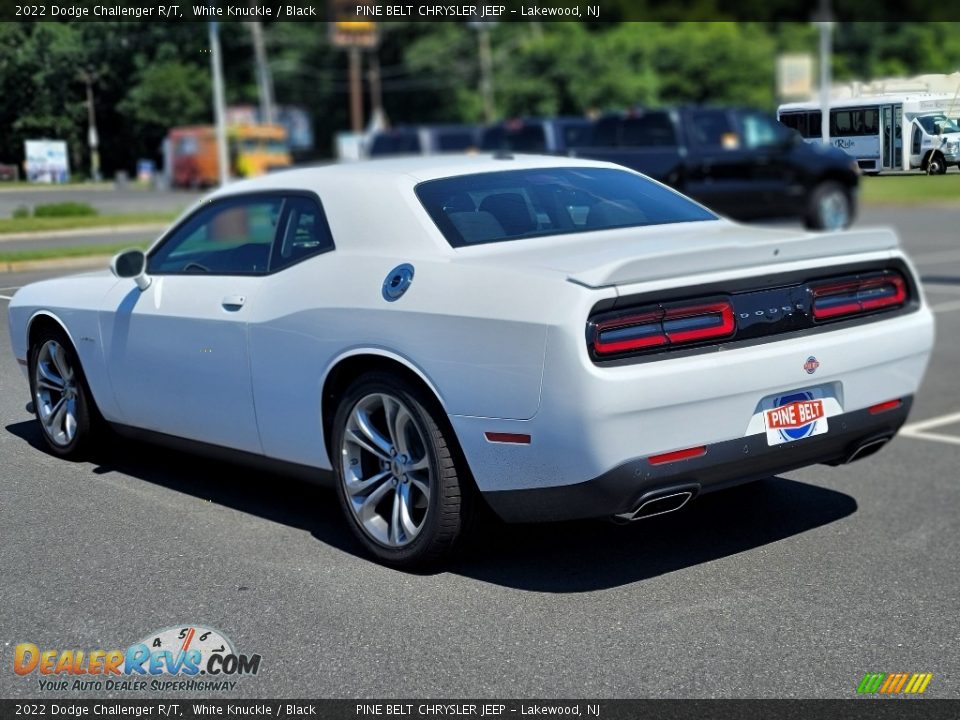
[64,263]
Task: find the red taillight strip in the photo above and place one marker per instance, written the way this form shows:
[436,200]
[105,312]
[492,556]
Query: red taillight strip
[502,437]
[725,327]
[884,406]
[643,321]
[850,291]
[676,455]
[655,326]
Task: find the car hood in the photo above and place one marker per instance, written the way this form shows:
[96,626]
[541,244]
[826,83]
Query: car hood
[629,255]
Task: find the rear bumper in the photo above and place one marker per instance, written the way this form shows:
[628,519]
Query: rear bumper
[723,465]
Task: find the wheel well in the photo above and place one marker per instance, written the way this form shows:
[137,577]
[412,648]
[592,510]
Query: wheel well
[47,322]
[43,322]
[350,368]
[926,158]
[845,179]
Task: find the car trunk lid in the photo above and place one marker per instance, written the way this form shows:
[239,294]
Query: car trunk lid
[633,255]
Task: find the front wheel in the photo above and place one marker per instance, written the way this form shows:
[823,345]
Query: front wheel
[830,207]
[61,398]
[936,164]
[400,484]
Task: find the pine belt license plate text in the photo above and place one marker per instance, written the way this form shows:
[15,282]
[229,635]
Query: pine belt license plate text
[796,417]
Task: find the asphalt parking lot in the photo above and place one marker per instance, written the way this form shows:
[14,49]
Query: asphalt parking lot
[795,586]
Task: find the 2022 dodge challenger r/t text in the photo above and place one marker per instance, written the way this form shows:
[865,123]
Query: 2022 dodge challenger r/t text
[563,338]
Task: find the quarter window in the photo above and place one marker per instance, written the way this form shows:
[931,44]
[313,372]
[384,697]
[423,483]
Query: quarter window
[304,232]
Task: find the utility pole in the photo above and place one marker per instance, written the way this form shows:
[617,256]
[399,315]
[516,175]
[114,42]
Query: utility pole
[356,88]
[93,140]
[824,20]
[264,79]
[376,92]
[219,103]
[486,67]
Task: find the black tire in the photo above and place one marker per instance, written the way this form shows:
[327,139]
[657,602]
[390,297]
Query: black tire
[829,207]
[445,514]
[936,164]
[85,415]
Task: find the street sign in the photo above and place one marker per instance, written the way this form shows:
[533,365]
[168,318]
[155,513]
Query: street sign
[349,28]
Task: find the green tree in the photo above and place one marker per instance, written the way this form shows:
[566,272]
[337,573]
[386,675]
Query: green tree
[163,86]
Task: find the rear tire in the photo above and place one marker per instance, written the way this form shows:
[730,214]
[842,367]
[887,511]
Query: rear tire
[403,489]
[830,207]
[62,402]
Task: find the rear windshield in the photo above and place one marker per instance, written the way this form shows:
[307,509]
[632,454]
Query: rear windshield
[516,204]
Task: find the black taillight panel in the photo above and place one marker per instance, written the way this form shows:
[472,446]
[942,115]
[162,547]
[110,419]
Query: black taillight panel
[749,313]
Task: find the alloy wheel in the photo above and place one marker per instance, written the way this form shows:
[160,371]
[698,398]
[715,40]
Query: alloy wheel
[55,393]
[387,474]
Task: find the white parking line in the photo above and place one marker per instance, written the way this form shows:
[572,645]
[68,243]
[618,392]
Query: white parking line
[5,297]
[919,429]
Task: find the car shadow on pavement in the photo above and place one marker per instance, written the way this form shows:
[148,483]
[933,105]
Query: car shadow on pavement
[309,506]
[568,557]
[584,556]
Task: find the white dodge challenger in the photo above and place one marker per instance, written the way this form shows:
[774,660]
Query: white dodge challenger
[562,338]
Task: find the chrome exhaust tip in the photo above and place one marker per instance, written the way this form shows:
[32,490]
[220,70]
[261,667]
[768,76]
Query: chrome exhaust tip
[656,505]
[868,448]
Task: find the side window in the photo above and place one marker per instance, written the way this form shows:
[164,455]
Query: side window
[304,232]
[712,129]
[815,124]
[654,129]
[760,131]
[841,123]
[229,237]
[605,132]
[917,138]
[797,121]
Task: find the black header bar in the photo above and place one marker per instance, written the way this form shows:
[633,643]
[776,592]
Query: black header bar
[420,11]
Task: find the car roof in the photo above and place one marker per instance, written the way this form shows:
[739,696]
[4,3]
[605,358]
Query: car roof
[415,169]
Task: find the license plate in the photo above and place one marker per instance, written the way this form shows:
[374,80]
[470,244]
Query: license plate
[794,417]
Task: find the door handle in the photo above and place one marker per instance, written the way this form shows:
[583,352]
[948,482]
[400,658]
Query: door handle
[233,302]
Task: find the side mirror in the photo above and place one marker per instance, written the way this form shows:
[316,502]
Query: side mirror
[131,264]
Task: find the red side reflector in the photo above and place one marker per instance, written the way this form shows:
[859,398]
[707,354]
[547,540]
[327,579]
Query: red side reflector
[677,455]
[884,406]
[515,438]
